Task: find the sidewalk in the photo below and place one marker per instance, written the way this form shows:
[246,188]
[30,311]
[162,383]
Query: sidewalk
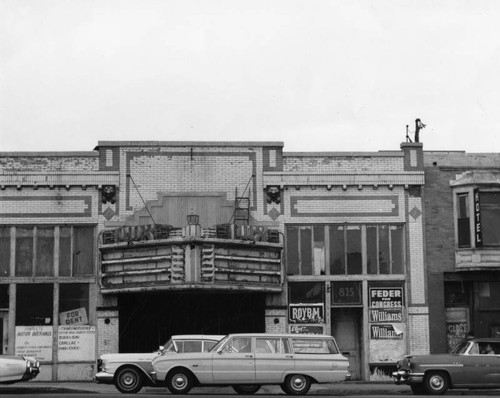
[343,388]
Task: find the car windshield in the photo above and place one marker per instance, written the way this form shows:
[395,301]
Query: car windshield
[220,343]
[460,348]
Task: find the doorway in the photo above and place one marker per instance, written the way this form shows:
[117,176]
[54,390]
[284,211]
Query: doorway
[148,320]
[347,330]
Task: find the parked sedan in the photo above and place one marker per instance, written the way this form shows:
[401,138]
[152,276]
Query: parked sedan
[247,361]
[474,363]
[130,372]
[14,368]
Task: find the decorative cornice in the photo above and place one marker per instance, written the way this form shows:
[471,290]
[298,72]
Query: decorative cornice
[58,179]
[305,179]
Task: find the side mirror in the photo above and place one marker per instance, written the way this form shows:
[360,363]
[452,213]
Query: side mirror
[161,348]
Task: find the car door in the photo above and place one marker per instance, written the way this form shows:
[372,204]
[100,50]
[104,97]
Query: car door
[234,362]
[480,369]
[273,358]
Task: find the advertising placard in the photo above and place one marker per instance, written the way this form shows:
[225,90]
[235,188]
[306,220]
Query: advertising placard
[386,297]
[385,332]
[385,315]
[34,341]
[306,313]
[306,329]
[76,343]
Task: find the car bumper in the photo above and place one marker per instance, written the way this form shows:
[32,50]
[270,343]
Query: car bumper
[405,377]
[104,377]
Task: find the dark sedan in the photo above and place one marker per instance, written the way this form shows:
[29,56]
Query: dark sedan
[474,363]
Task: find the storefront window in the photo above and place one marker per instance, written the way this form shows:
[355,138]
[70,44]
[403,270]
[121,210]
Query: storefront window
[456,294]
[24,251]
[4,251]
[306,302]
[34,255]
[348,247]
[73,304]
[34,304]
[44,265]
[489,295]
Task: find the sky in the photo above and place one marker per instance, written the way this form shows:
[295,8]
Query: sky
[317,75]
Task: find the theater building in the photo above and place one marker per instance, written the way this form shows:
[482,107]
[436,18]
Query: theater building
[117,249]
[462,215]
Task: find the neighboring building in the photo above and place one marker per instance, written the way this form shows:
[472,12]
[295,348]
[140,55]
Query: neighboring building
[462,216]
[119,248]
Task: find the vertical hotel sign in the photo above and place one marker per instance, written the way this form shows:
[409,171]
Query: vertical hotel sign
[478,232]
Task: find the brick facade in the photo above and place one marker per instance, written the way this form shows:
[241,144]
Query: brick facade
[310,189]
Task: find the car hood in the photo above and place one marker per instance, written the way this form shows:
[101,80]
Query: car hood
[146,356]
[435,358]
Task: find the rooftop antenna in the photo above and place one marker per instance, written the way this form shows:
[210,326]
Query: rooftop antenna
[408,139]
[418,126]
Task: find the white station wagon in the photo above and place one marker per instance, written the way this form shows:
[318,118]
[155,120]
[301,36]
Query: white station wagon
[247,361]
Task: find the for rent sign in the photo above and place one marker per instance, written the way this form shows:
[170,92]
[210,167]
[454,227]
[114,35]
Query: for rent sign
[77,316]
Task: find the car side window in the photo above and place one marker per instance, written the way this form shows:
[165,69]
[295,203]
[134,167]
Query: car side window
[314,346]
[269,345]
[208,345]
[238,344]
[189,346]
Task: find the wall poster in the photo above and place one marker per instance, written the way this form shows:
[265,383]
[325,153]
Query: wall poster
[34,341]
[76,343]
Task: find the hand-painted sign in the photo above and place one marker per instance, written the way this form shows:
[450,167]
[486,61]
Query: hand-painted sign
[76,343]
[385,332]
[386,297]
[34,341]
[306,313]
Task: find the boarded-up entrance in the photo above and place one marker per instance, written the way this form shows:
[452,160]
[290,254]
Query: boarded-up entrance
[147,320]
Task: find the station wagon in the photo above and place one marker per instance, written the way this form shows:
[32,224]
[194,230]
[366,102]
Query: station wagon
[247,361]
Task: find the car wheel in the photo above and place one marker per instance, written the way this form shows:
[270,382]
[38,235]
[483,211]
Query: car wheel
[417,389]
[128,380]
[179,381]
[296,384]
[246,388]
[436,383]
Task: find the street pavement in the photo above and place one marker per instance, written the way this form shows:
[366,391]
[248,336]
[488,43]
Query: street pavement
[343,388]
